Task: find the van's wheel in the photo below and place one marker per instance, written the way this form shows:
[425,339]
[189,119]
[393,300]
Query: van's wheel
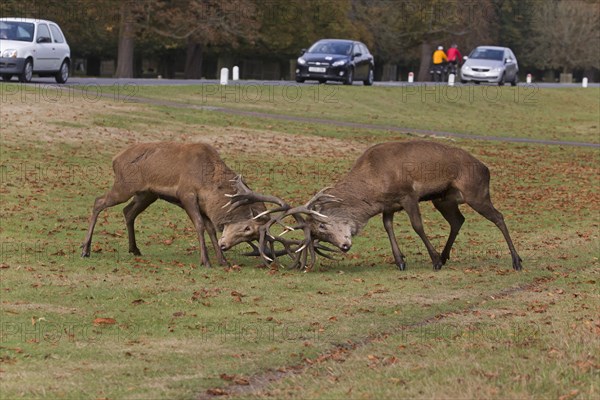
[27,73]
[349,77]
[63,73]
[6,77]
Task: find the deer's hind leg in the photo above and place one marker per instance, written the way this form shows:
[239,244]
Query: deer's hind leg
[140,202]
[483,205]
[116,195]
[451,213]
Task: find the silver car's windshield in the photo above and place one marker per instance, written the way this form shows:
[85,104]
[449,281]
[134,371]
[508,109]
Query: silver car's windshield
[487,54]
[331,48]
[20,31]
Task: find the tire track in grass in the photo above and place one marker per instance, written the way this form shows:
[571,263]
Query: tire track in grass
[256,383]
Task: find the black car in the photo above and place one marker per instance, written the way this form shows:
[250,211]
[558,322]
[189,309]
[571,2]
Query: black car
[336,60]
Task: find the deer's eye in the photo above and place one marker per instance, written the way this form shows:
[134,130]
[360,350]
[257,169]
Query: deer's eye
[247,229]
[322,227]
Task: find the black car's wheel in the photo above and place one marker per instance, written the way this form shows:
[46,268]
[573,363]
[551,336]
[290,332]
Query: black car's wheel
[477,82]
[501,81]
[349,77]
[515,80]
[463,81]
[6,77]
[63,73]
[299,80]
[27,73]
[322,81]
[370,78]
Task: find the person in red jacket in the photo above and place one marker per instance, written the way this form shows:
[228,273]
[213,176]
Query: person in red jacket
[454,58]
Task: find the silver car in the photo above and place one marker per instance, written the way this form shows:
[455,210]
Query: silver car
[490,64]
[33,46]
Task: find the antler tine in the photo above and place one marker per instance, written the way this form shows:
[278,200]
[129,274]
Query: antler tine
[322,196]
[244,195]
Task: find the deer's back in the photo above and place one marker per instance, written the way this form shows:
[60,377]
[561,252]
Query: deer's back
[421,166]
[168,164]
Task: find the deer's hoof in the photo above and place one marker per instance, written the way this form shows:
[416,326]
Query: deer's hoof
[437,266]
[135,252]
[401,266]
[517,264]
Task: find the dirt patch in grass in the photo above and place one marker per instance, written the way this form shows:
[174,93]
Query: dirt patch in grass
[256,142]
[77,121]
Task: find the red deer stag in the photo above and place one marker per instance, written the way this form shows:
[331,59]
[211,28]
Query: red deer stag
[191,176]
[396,176]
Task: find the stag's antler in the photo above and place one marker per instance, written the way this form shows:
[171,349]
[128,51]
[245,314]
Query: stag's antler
[306,250]
[244,195]
[302,252]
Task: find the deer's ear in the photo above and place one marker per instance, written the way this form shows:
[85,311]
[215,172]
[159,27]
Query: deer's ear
[318,207]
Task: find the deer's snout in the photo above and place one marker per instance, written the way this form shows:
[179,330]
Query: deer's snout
[223,245]
[345,247]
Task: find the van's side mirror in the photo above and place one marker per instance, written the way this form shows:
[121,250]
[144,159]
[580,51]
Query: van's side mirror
[302,51]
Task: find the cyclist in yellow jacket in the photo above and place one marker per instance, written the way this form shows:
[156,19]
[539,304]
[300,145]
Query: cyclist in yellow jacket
[439,62]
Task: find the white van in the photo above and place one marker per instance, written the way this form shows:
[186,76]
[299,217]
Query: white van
[33,46]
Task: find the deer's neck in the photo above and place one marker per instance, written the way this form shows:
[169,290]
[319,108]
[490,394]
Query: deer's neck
[357,203]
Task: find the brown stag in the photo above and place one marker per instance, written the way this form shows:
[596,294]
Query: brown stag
[391,177]
[191,176]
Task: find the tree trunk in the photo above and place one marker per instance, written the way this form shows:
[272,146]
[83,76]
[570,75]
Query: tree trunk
[193,60]
[425,62]
[126,42]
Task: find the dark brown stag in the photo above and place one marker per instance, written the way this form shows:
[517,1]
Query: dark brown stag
[391,177]
[191,176]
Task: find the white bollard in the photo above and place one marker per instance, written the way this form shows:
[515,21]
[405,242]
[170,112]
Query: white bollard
[528,78]
[235,73]
[584,82]
[224,76]
[451,80]
[411,77]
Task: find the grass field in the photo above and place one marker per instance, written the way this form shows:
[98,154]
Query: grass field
[159,326]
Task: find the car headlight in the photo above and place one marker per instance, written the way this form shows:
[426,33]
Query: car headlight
[466,68]
[9,53]
[338,63]
[301,61]
[498,69]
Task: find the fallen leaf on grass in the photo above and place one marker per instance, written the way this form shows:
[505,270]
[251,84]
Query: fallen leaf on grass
[104,321]
[241,381]
[138,301]
[216,392]
[226,377]
[570,395]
